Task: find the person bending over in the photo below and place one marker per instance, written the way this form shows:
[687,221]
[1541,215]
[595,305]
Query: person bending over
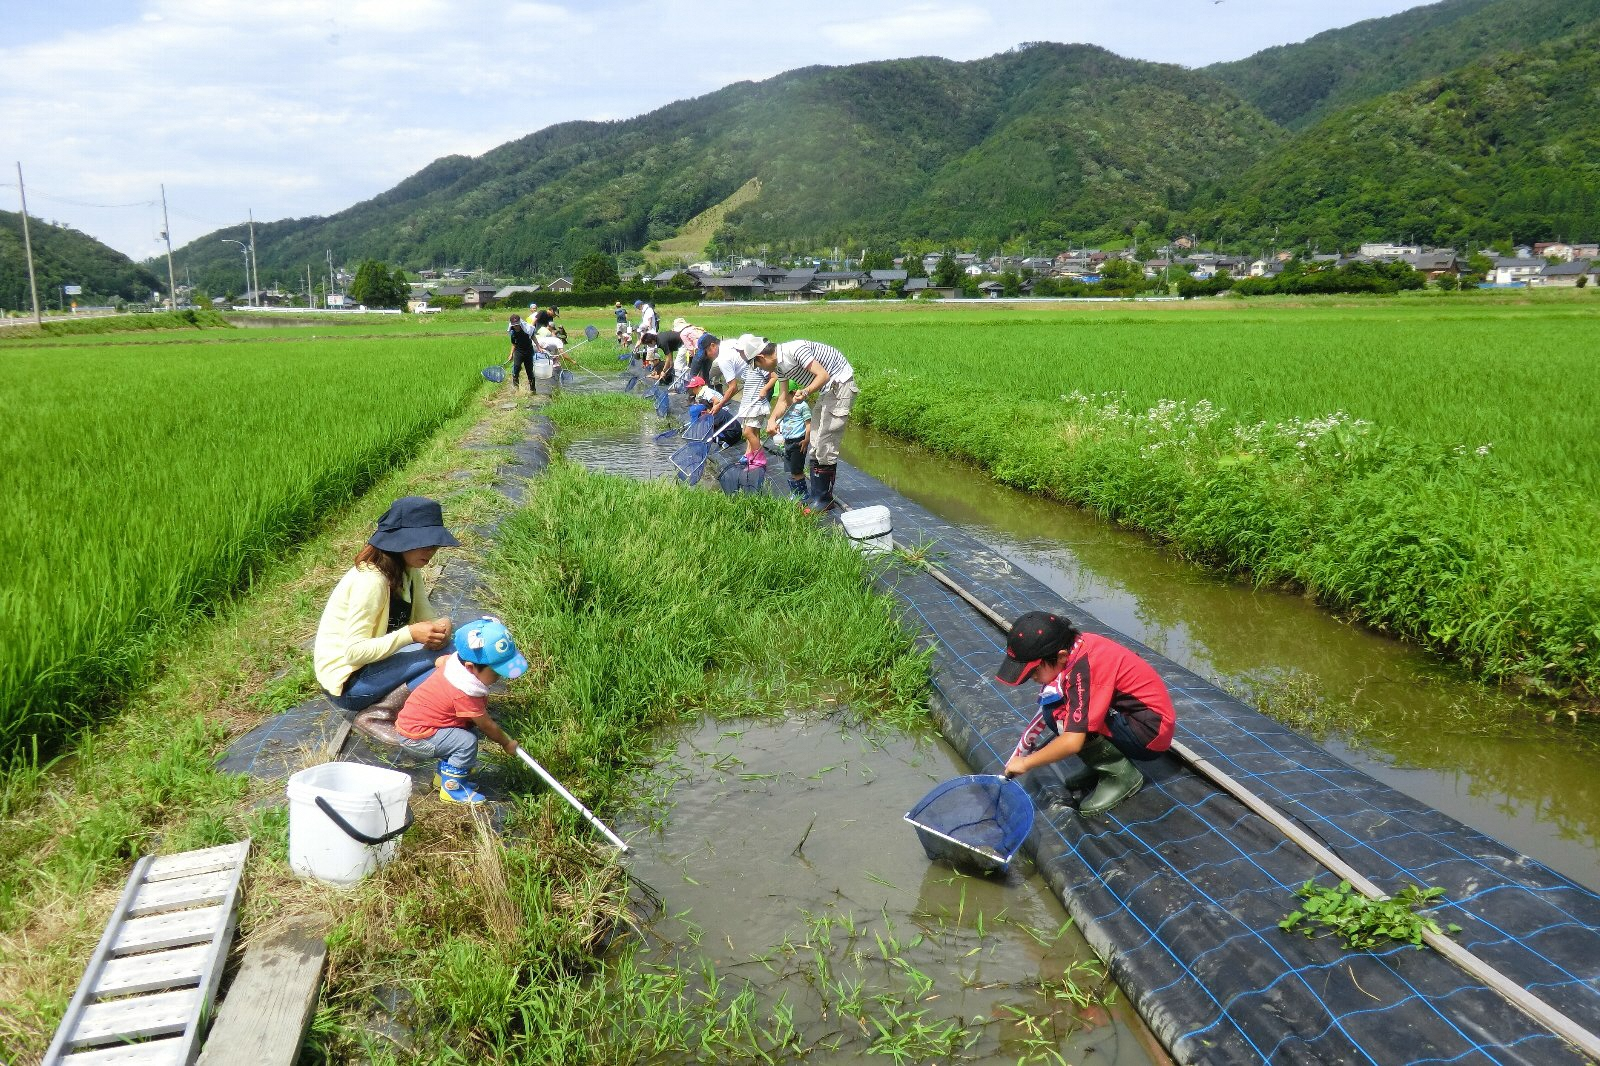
[832,380]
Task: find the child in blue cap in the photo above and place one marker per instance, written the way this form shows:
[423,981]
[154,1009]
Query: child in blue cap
[443,716]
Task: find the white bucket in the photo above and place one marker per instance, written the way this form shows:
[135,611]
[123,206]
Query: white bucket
[542,368]
[371,802]
[870,528]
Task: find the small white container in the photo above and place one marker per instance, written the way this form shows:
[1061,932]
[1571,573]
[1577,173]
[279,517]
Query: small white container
[543,368]
[870,528]
[371,802]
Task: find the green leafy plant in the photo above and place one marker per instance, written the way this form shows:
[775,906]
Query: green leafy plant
[1361,923]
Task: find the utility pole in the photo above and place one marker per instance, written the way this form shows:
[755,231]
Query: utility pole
[33,286]
[329,293]
[166,235]
[309,303]
[253,269]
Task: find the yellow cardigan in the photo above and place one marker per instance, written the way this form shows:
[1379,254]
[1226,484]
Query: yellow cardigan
[351,633]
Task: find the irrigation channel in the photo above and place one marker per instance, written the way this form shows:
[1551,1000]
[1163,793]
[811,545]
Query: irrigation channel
[1237,989]
[1485,757]
[781,858]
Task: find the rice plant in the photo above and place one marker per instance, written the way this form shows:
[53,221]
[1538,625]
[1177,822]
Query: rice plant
[1431,470]
[144,484]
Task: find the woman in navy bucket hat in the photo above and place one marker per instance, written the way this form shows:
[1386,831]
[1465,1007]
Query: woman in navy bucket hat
[379,635]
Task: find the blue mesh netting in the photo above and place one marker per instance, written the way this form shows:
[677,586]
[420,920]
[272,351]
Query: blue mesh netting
[979,820]
[1181,888]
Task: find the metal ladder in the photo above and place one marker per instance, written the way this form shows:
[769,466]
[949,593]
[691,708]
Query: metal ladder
[149,984]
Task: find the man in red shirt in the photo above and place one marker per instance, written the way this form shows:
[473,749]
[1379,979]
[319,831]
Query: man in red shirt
[1097,700]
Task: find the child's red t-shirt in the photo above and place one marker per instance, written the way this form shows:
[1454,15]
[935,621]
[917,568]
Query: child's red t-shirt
[437,704]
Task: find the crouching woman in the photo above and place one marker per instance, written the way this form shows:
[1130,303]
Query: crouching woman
[379,635]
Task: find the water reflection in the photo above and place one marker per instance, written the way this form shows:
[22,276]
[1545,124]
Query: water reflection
[1488,758]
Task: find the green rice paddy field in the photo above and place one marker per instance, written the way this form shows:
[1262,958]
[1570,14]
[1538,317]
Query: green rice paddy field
[146,482]
[1428,466]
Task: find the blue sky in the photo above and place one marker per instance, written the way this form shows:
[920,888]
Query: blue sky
[292,108]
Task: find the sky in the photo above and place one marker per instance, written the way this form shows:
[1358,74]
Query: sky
[291,108]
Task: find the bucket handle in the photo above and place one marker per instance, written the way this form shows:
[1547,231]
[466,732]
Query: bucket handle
[355,834]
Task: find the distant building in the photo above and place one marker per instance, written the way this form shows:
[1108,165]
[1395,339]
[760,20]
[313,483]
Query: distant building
[1386,251]
[1566,275]
[1515,270]
[561,285]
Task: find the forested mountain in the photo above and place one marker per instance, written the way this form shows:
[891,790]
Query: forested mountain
[1437,124]
[63,256]
[1507,147]
[1297,84]
[1046,139]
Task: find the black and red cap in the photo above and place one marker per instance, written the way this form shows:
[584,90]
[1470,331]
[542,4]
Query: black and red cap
[1035,637]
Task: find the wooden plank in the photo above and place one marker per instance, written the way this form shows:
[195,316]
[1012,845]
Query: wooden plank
[169,930]
[192,891]
[136,1016]
[189,863]
[263,1017]
[167,1052]
[158,969]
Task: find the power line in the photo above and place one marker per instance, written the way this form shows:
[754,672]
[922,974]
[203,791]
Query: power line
[81,203]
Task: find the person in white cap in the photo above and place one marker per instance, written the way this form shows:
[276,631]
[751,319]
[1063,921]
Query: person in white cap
[753,386]
[833,383]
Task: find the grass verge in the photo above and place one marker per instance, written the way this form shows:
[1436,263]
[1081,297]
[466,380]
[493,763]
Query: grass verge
[144,781]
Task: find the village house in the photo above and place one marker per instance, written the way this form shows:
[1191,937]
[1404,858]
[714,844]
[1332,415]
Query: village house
[477,295]
[1515,270]
[1566,275]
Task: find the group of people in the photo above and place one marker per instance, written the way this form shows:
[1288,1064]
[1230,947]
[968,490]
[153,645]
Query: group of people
[385,655]
[799,393]
[536,337]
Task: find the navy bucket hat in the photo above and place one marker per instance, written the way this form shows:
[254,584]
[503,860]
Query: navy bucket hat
[412,522]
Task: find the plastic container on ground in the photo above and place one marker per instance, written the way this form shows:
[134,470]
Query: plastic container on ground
[345,820]
[870,528]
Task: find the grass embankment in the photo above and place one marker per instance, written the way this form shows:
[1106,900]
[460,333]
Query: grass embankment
[143,492]
[144,781]
[160,320]
[640,605]
[1429,468]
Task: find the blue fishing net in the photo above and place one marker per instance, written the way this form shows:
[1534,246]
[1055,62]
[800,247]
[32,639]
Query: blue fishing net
[974,821]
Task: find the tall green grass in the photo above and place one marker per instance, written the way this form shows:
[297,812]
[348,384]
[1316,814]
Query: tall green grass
[142,485]
[1431,469]
[638,605]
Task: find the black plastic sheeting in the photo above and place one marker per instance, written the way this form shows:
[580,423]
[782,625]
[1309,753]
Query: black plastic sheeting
[1181,889]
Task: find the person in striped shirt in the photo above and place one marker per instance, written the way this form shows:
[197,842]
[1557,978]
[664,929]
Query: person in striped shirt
[833,383]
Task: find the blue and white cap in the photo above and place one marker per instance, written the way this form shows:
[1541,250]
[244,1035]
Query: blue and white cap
[487,642]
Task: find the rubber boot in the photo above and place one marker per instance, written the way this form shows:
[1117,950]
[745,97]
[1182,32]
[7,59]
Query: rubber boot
[1119,778]
[455,788]
[797,487]
[820,498]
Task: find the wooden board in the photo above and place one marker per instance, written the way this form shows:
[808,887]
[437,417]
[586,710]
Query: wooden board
[266,1010]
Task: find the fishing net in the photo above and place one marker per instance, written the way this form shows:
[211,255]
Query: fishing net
[976,821]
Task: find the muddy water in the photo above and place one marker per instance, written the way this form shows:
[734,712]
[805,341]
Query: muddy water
[782,861]
[1489,759]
